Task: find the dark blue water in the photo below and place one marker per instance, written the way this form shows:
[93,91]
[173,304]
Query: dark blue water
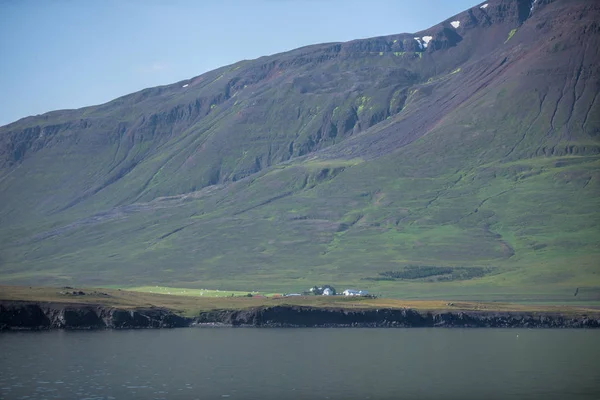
[227,363]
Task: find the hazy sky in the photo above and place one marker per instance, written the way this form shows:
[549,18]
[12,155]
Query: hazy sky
[58,54]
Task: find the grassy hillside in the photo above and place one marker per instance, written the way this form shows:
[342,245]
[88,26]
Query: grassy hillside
[474,160]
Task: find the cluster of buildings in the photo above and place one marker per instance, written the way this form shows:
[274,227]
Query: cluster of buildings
[328,290]
[350,292]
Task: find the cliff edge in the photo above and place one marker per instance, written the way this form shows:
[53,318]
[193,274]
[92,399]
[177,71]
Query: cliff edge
[21,315]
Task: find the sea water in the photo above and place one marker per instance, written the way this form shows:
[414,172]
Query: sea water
[267,363]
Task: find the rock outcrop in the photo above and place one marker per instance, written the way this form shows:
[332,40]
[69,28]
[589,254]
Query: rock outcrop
[294,316]
[40,316]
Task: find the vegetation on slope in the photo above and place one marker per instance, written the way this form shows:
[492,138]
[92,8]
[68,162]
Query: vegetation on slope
[331,163]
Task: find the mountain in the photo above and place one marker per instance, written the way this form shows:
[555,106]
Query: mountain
[461,161]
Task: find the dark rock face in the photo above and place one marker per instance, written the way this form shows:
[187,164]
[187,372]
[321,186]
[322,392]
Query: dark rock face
[290,316]
[32,316]
[25,316]
[146,319]
[21,315]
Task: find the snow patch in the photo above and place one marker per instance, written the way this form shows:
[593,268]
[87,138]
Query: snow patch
[186,85]
[532,5]
[420,43]
[426,40]
[484,6]
[455,24]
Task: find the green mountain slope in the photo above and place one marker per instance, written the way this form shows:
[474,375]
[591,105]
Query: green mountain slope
[344,162]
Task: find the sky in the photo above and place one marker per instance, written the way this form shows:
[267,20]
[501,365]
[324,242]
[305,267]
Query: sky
[73,53]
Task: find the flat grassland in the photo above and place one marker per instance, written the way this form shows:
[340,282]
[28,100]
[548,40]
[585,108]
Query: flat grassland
[190,305]
[190,292]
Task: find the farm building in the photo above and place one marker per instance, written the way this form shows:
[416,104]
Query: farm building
[326,290]
[350,292]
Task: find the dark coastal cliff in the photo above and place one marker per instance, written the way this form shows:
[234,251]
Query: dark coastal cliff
[294,316]
[43,316]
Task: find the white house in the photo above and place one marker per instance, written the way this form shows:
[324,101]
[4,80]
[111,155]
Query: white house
[327,292]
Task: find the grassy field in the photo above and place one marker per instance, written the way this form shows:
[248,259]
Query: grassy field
[192,305]
[190,292]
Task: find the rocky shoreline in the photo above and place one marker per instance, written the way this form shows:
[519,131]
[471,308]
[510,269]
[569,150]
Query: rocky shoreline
[16,315]
[299,316]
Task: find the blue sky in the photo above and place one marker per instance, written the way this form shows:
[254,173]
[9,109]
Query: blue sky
[69,54]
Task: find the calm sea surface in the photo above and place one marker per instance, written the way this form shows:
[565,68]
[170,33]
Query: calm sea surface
[229,363]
